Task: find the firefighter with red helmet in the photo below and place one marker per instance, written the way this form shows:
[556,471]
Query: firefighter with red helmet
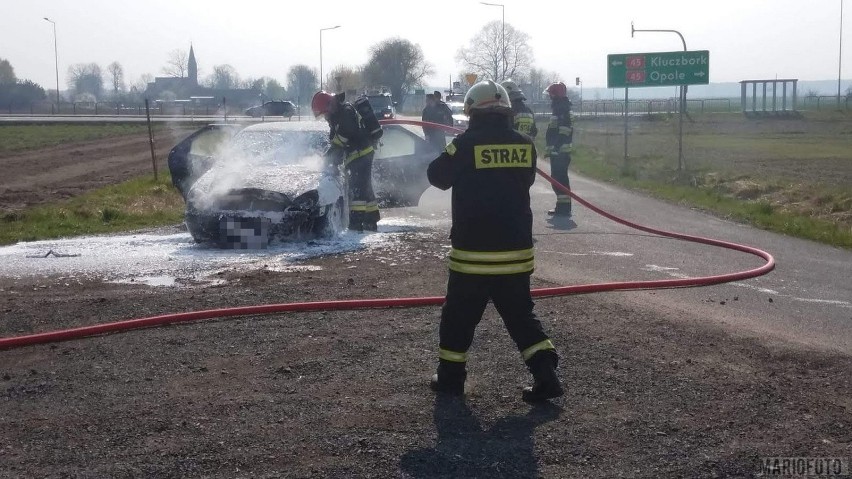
[490,168]
[352,145]
[524,119]
[559,138]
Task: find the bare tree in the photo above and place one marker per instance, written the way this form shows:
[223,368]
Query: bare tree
[224,77]
[302,83]
[178,64]
[539,80]
[86,78]
[116,75]
[345,78]
[140,86]
[397,64]
[486,57]
[252,83]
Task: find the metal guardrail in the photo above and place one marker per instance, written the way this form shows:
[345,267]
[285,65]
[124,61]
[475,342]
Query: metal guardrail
[584,108]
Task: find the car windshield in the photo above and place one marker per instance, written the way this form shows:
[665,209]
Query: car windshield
[303,148]
[380,102]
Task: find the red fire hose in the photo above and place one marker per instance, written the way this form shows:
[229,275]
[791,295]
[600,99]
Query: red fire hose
[85,331]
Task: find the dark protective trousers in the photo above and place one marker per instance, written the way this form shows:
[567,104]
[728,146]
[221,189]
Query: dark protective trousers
[559,171]
[363,208]
[467,296]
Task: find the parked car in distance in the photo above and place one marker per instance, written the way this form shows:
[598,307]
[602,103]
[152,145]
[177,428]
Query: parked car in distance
[383,105]
[273,108]
[460,120]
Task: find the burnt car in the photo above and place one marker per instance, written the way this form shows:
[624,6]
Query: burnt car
[269,181]
[273,108]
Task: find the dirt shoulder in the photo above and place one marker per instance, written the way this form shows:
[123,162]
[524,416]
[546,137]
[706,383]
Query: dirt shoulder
[51,174]
[344,394]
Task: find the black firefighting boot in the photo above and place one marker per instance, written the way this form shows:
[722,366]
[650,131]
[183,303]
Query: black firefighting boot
[562,209]
[356,221]
[371,220]
[449,378]
[546,383]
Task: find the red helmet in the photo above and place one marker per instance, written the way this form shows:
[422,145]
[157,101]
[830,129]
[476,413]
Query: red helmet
[321,103]
[557,90]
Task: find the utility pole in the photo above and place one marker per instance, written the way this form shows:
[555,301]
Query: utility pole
[56,58]
[502,39]
[320,33]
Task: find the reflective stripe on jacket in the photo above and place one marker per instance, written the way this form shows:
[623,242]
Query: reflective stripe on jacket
[524,119]
[349,140]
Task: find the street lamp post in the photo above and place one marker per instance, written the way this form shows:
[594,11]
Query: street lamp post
[322,30]
[682,96]
[840,54]
[502,35]
[579,83]
[56,58]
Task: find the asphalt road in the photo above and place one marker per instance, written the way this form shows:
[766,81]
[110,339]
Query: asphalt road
[807,299]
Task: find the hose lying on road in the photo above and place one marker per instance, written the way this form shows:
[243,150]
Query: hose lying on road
[85,331]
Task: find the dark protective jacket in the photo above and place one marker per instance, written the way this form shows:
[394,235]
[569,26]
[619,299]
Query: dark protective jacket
[349,139]
[490,168]
[439,113]
[560,131]
[524,120]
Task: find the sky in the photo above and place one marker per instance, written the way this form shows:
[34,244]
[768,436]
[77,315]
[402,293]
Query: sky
[747,39]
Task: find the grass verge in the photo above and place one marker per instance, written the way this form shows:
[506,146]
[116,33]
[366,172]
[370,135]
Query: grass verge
[701,191]
[134,204]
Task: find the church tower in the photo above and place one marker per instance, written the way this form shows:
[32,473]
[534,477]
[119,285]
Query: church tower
[192,67]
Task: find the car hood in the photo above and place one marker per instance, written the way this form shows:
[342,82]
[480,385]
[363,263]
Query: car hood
[290,180]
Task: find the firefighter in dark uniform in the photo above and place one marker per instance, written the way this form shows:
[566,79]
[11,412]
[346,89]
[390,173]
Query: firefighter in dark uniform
[350,144]
[559,138]
[490,168]
[436,111]
[524,119]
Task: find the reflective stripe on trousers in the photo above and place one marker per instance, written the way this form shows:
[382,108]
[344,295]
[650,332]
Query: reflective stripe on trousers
[492,262]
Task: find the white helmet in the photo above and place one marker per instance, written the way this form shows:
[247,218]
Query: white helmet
[514,91]
[487,96]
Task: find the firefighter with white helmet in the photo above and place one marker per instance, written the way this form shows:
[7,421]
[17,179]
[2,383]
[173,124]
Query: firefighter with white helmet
[524,120]
[490,168]
[352,145]
[559,140]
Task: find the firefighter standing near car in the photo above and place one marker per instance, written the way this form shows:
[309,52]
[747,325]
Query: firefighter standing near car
[559,138]
[352,145]
[490,168]
[436,111]
[524,119]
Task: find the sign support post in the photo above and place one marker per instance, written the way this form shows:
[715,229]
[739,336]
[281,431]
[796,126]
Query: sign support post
[630,70]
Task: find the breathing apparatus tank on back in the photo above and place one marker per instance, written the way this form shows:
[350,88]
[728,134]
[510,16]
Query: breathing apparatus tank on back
[368,118]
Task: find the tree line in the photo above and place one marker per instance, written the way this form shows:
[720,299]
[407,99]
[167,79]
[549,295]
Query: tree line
[496,52]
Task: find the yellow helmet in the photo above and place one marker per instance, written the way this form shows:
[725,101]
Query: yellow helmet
[514,91]
[487,96]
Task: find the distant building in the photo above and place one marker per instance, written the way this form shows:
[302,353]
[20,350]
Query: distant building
[183,88]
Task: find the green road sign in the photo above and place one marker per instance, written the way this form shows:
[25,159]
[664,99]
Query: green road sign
[631,70]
